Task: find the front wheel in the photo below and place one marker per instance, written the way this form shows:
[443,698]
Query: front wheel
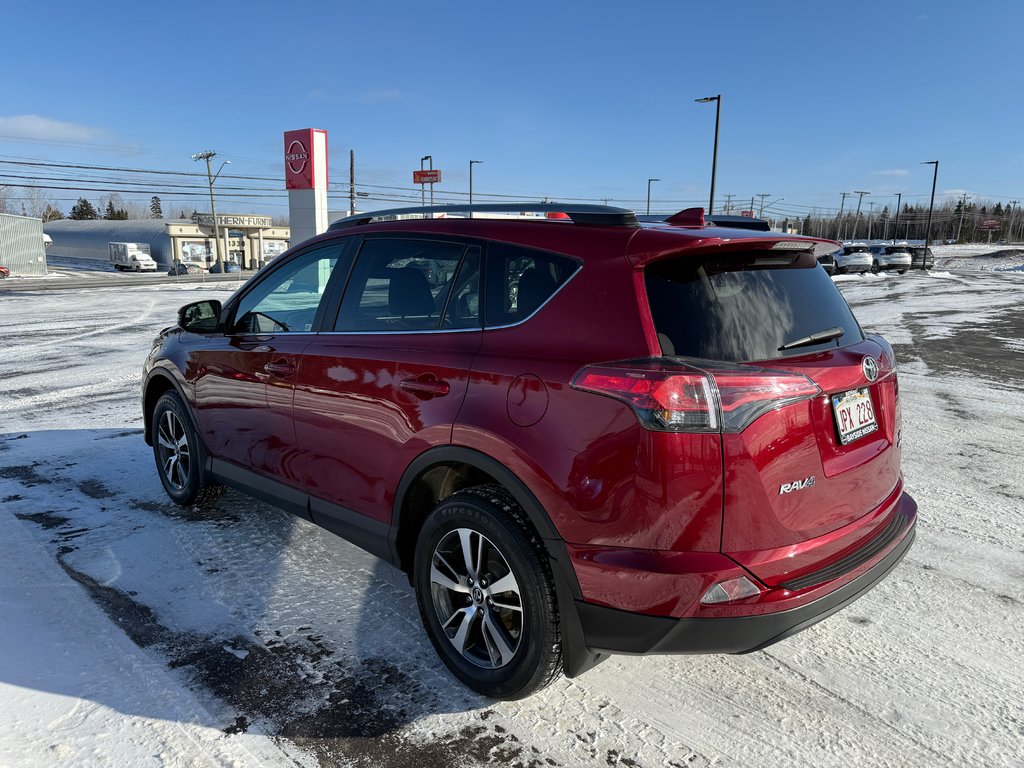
[178,454]
[486,595]
[875,268]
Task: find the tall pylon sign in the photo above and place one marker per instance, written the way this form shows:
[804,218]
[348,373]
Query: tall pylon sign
[305,173]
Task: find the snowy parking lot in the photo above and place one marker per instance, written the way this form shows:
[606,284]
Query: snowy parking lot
[139,633]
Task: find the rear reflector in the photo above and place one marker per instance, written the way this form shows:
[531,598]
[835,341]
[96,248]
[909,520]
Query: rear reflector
[685,398]
[734,589]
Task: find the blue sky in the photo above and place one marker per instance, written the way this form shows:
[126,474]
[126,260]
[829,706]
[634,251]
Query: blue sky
[566,100]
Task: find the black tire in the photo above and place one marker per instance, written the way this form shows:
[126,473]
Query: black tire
[179,456]
[902,271]
[875,269]
[510,642]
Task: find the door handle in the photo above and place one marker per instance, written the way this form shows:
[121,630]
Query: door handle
[280,368]
[429,387]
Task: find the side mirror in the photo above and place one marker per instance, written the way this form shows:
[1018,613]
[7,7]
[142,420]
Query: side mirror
[200,316]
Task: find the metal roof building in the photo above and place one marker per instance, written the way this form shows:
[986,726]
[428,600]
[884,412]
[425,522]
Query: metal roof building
[249,241]
[21,245]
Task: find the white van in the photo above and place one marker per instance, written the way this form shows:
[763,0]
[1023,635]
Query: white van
[131,257]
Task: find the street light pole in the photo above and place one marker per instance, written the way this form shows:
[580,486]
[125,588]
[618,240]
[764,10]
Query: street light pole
[896,224]
[423,189]
[471,164]
[714,159]
[931,206]
[207,156]
[649,195]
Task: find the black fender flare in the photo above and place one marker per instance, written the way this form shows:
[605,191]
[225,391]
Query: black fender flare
[164,374]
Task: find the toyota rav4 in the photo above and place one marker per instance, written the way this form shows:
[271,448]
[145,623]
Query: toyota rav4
[585,436]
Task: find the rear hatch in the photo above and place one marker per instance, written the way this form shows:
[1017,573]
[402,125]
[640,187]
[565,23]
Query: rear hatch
[810,426]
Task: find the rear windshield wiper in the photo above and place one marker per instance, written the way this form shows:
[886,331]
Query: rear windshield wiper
[815,338]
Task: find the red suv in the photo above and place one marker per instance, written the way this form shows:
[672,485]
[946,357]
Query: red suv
[578,435]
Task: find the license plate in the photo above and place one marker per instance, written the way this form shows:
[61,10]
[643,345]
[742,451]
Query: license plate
[855,417]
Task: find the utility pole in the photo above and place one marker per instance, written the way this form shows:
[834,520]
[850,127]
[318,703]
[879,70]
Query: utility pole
[207,156]
[856,219]
[762,195]
[1014,207]
[963,208]
[931,206]
[842,204]
[871,213]
[351,182]
[728,204]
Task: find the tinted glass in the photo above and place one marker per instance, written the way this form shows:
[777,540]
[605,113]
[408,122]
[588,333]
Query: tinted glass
[399,285]
[463,309]
[286,301]
[520,280]
[743,308]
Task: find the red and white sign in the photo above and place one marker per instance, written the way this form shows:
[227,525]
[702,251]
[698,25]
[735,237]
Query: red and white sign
[302,158]
[992,224]
[747,214]
[426,177]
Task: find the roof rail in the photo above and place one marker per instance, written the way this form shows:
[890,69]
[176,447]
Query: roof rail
[593,215]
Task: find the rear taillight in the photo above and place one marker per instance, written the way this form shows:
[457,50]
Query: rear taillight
[667,401]
[689,399]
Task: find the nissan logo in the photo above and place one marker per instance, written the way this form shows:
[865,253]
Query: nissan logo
[296,157]
[870,368]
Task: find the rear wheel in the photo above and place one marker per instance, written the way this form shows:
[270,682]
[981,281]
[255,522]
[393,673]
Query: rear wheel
[486,595]
[875,268]
[179,456]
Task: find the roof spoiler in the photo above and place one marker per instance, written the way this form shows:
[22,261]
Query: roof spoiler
[696,219]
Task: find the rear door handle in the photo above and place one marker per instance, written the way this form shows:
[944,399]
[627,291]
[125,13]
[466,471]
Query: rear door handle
[280,368]
[429,387]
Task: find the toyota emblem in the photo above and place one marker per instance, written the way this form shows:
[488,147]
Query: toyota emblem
[870,368]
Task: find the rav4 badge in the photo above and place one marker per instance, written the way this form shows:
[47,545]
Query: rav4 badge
[798,485]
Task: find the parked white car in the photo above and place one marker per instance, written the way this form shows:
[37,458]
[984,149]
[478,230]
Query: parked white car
[854,257]
[888,257]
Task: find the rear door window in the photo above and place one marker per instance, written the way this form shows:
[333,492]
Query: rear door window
[745,308]
[520,280]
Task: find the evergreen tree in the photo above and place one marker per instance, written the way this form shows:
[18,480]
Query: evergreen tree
[52,214]
[156,211]
[111,211]
[83,210]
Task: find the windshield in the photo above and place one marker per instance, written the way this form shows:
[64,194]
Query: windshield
[742,309]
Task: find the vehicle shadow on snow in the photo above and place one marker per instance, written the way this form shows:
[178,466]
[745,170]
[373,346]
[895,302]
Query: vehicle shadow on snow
[277,625]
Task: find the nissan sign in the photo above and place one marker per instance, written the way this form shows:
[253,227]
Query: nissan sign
[299,159]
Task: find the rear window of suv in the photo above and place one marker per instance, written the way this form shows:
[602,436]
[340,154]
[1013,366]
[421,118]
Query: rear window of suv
[744,308]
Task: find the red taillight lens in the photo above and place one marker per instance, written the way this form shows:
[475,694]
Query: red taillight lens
[746,397]
[667,401]
[689,399]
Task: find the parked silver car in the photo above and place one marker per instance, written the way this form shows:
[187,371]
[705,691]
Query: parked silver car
[889,257]
[854,257]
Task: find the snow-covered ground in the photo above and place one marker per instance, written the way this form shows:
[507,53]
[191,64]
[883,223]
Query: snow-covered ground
[138,633]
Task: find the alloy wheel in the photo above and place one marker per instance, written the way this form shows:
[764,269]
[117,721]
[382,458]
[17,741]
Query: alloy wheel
[174,454]
[476,598]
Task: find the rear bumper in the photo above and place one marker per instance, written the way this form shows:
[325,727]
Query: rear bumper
[610,630]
